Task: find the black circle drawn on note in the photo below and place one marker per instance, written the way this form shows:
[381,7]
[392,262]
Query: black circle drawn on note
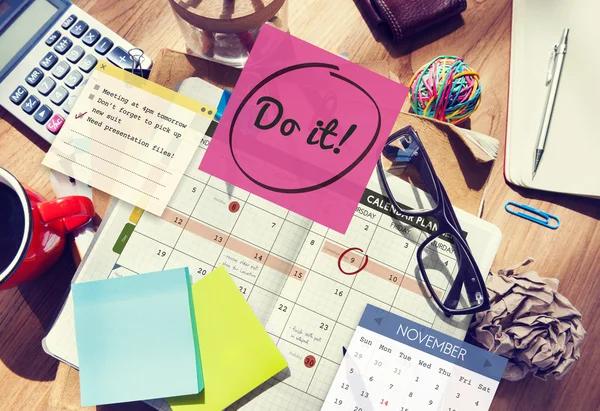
[332,179]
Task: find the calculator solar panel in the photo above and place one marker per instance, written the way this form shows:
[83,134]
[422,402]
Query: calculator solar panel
[43,87]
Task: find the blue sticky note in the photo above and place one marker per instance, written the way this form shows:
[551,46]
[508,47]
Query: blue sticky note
[136,338]
[222,104]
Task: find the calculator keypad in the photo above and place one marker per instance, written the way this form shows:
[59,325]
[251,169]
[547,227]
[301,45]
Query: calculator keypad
[71,52]
[52,38]
[69,21]
[68,105]
[61,70]
[79,28]
[19,95]
[103,46]
[46,86]
[43,114]
[88,63]
[55,123]
[119,57]
[91,37]
[73,79]
[30,104]
[49,61]
[34,77]
[59,95]
[63,45]
[75,54]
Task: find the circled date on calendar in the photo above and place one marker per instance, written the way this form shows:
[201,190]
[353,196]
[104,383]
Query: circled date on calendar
[310,361]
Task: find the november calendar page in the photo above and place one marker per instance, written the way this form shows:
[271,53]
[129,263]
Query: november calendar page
[308,284]
[393,363]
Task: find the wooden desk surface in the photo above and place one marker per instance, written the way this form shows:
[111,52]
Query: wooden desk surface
[31,380]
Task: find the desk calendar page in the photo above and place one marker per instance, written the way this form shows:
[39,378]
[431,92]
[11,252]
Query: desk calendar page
[294,273]
[396,364]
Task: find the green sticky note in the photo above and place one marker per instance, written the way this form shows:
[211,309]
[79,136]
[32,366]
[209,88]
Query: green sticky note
[136,338]
[237,353]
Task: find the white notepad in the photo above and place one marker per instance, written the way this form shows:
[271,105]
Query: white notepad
[570,161]
[130,137]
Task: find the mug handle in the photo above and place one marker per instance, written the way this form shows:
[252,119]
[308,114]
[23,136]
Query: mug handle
[74,211]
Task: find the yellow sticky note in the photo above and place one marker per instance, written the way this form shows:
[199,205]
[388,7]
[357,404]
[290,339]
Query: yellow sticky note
[237,353]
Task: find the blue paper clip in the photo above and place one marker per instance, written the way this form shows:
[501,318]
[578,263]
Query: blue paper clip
[544,217]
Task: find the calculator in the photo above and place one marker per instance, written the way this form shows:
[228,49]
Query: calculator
[49,49]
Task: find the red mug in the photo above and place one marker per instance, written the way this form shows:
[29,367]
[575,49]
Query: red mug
[33,231]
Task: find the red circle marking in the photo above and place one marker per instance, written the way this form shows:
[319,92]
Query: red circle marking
[234,206]
[310,361]
[362,267]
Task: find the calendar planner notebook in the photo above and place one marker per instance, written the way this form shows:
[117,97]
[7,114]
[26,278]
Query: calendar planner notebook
[136,338]
[233,344]
[286,267]
[393,363]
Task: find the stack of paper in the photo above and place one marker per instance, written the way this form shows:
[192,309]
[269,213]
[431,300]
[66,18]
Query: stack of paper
[569,163]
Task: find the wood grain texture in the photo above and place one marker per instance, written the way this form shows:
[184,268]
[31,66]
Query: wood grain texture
[31,380]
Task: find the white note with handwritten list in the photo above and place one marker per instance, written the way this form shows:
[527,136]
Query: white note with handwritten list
[130,137]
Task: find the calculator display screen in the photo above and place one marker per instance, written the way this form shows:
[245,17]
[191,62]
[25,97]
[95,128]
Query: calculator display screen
[23,28]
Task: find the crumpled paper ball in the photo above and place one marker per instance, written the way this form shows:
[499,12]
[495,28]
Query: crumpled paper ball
[530,323]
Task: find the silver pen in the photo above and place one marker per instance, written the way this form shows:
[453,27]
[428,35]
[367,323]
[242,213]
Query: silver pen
[554,70]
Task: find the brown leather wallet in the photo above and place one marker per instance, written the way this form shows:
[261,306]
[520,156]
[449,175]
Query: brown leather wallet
[405,17]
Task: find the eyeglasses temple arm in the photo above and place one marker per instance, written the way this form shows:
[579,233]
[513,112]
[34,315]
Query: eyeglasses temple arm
[472,287]
[453,296]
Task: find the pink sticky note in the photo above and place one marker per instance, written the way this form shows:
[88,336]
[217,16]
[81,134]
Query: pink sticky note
[304,128]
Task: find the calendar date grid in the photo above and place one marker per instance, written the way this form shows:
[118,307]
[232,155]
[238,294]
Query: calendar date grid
[397,281]
[357,215]
[192,256]
[275,296]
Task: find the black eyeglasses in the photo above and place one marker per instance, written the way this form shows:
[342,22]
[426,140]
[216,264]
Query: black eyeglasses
[444,258]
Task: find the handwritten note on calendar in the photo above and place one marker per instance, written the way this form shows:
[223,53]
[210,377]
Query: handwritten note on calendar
[130,137]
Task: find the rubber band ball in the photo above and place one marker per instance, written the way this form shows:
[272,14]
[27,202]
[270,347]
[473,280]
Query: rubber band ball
[446,89]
